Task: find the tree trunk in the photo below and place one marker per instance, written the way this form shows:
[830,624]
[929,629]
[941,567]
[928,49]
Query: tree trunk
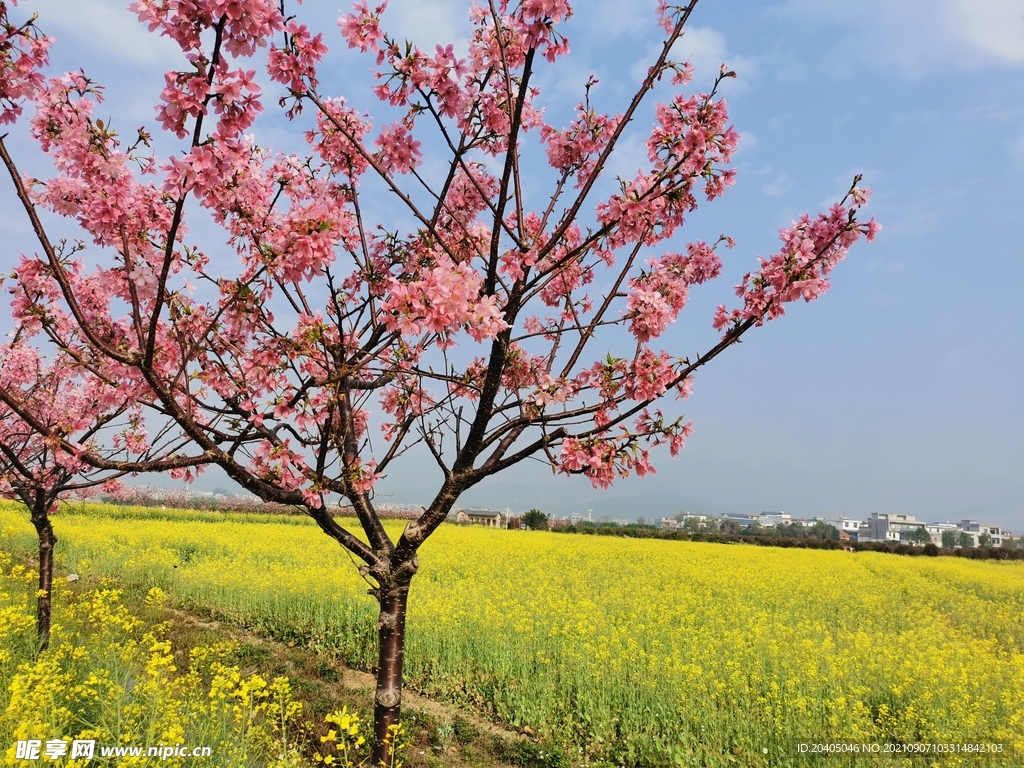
[388,700]
[47,540]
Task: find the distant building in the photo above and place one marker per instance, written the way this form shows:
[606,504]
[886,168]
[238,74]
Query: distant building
[848,526]
[743,520]
[897,528]
[671,522]
[476,516]
[937,529]
[775,518]
[976,530]
[885,526]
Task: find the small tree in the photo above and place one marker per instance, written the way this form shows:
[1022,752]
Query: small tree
[965,539]
[985,540]
[919,536]
[949,539]
[51,414]
[536,520]
[34,469]
[1009,542]
[472,319]
[822,530]
[730,527]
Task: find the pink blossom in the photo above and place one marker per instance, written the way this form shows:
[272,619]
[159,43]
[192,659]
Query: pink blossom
[443,298]
[362,28]
[364,477]
[295,65]
[23,53]
[399,151]
[811,249]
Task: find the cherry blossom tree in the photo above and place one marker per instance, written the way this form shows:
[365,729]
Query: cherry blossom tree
[35,469]
[53,416]
[476,325]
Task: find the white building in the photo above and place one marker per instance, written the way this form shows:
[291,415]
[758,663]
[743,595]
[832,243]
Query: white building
[882,526]
[775,518]
[478,516]
[886,526]
[976,530]
[935,530]
[852,528]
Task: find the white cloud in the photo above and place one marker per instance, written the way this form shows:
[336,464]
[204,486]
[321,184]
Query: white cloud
[608,19]
[1017,152]
[871,178]
[428,23]
[564,86]
[913,220]
[703,47]
[107,28]
[629,157]
[915,37]
[778,186]
[707,50]
[748,141]
[994,26]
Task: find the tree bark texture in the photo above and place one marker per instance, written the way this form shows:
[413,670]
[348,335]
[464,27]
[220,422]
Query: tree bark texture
[47,541]
[388,700]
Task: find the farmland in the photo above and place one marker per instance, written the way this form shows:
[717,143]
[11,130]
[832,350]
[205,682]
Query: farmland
[627,651]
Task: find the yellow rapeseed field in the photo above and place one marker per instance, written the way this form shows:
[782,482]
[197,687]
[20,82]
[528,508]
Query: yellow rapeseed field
[631,652]
[110,679]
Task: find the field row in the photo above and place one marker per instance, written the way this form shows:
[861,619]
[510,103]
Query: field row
[631,652]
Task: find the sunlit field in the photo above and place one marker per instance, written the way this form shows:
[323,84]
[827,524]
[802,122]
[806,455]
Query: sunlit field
[110,678]
[628,651]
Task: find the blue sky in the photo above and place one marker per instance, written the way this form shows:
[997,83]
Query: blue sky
[899,390]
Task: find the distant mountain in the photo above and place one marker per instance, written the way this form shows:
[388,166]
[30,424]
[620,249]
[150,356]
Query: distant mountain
[526,487]
[562,496]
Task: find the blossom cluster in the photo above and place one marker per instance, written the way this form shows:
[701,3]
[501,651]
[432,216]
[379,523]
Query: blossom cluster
[49,415]
[811,248]
[444,297]
[295,64]
[656,297]
[23,52]
[575,150]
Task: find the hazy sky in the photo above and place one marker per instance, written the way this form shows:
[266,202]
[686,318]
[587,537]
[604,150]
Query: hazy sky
[898,391]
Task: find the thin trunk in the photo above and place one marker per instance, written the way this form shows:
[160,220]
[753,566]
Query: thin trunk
[47,540]
[388,700]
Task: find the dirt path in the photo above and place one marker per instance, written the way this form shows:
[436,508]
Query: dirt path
[300,661]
